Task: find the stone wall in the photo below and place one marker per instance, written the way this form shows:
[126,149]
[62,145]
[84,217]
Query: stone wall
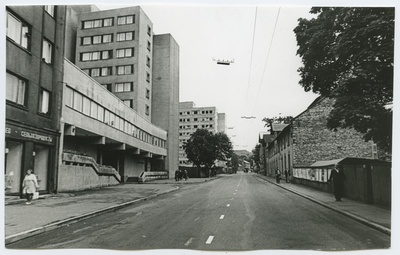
[313,141]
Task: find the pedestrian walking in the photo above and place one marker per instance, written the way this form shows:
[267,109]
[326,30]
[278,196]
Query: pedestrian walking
[287,176]
[177,175]
[185,174]
[30,186]
[338,178]
[278,175]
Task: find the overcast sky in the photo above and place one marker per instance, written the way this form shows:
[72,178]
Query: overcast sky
[263,79]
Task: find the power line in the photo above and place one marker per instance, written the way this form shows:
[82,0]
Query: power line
[251,58]
[266,61]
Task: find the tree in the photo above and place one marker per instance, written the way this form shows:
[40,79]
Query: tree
[203,148]
[256,154]
[347,54]
[277,120]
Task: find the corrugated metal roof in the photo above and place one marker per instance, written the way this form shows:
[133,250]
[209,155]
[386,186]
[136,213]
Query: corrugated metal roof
[327,162]
[278,127]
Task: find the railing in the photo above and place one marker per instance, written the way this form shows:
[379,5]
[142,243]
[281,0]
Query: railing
[77,159]
[144,176]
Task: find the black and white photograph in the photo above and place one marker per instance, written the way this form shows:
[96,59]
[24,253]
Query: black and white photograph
[200,127]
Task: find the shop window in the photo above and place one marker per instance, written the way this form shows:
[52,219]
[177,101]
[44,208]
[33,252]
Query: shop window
[45,100]
[15,89]
[18,31]
[13,164]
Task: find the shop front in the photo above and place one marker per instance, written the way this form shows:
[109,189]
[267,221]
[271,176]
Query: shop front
[29,148]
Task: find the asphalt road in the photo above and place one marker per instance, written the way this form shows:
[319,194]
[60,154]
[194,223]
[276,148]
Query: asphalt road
[234,213]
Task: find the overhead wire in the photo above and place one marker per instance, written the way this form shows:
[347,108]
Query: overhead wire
[266,61]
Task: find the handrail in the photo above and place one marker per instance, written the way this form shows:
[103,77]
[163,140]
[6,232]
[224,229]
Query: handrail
[87,160]
[152,176]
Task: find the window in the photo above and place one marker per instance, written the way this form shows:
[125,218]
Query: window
[97,23]
[86,106]
[107,86]
[123,87]
[106,71]
[147,77]
[126,20]
[93,109]
[122,70]
[148,62]
[148,45]
[69,97]
[149,30]
[147,93]
[44,105]
[96,55]
[96,39]
[125,53]
[125,36]
[49,9]
[128,102]
[100,113]
[17,31]
[95,72]
[77,101]
[47,51]
[16,89]
[108,22]
[147,110]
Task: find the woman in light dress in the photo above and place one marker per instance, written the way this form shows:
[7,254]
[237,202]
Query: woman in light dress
[30,185]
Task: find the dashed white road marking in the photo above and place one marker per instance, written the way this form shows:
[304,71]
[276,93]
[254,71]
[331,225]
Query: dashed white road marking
[228,205]
[189,241]
[210,239]
[222,217]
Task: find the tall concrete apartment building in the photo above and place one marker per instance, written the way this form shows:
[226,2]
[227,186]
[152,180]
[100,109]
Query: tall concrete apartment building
[80,98]
[192,118]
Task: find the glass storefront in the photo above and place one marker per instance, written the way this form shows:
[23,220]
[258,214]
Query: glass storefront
[41,165]
[13,165]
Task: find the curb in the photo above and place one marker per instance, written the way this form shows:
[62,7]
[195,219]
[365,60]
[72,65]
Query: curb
[32,232]
[362,220]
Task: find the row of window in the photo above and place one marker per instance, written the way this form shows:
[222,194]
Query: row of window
[196,119]
[195,126]
[19,33]
[109,38]
[107,71]
[108,22]
[123,87]
[16,89]
[108,54]
[88,107]
[196,112]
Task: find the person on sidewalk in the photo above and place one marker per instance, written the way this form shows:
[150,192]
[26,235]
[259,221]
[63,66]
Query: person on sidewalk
[30,185]
[278,175]
[338,178]
[287,176]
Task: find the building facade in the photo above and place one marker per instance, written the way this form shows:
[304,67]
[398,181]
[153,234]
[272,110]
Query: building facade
[115,48]
[80,100]
[307,140]
[34,58]
[192,118]
[165,96]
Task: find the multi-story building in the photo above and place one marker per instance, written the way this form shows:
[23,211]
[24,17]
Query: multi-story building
[307,140]
[90,124]
[115,48]
[192,118]
[165,97]
[34,62]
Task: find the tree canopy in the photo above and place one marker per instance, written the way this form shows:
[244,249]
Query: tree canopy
[347,54]
[203,148]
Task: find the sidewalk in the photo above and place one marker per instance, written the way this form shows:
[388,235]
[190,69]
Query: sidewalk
[53,211]
[371,215]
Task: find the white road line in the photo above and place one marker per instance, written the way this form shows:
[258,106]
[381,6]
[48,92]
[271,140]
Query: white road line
[197,219]
[228,205]
[210,239]
[222,217]
[189,241]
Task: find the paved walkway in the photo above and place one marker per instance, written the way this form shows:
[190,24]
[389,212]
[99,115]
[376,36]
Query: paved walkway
[53,211]
[372,215]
